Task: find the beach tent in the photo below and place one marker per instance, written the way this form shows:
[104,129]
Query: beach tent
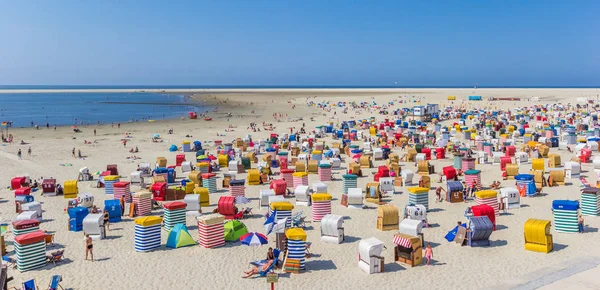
[234,229]
[173,148]
[179,237]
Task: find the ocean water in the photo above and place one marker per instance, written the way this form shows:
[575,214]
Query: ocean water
[91,108]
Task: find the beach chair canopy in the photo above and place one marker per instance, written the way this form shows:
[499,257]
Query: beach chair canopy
[330,224]
[370,247]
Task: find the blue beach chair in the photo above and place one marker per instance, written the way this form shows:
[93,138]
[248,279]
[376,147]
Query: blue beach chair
[270,268]
[55,283]
[28,285]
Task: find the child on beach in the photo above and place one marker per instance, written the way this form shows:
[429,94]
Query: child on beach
[438,193]
[19,154]
[428,253]
[580,224]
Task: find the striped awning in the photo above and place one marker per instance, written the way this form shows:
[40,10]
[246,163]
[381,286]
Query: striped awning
[402,242]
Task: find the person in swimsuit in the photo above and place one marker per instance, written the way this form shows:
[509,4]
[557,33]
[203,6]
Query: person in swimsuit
[256,270]
[438,194]
[106,222]
[89,247]
[428,253]
[270,254]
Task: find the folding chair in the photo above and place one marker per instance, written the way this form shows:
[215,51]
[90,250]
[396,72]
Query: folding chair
[55,283]
[10,261]
[49,239]
[27,285]
[55,257]
[272,266]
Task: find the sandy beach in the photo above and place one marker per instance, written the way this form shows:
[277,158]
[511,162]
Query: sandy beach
[331,266]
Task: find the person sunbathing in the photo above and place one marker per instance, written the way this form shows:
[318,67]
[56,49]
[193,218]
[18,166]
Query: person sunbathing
[257,270]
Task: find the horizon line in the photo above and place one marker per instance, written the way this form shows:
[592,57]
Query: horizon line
[141,87]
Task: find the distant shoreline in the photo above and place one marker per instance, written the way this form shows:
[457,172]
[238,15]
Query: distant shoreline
[190,91]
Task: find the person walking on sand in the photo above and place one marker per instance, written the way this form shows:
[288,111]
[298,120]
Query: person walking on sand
[29,151]
[428,253]
[89,247]
[94,132]
[73,152]
[19,154]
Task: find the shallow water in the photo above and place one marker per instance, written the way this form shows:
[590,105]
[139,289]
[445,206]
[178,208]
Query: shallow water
[91,108]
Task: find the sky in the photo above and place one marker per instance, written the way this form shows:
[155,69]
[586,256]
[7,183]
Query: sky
[307,42]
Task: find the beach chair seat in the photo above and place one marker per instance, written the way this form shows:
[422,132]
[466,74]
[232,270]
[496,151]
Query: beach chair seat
[55,257]
[49,239]
[247,212]
[10,261]
[55,283]
[272,267]
[259,263]
[27,285]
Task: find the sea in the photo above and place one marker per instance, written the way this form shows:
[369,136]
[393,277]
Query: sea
[62,109]
[71,109]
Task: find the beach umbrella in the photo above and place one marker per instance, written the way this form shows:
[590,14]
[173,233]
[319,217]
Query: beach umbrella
[254,239]
[240,199]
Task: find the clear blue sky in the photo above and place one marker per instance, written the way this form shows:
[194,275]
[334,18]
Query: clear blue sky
[304,42]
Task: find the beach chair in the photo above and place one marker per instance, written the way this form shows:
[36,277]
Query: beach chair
[49,239]
[272,267]
[247,212]
[307,250]
[55,257]
[55,283]
[10,261]
[27,285]
[298,221]
[259,263]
